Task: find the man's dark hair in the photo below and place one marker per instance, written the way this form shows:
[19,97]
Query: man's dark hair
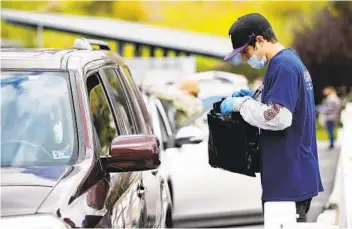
[268,35]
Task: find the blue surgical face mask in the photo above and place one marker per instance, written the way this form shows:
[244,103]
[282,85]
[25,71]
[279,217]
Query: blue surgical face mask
[255,63]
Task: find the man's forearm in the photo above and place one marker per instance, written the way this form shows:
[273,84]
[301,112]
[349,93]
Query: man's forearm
[265,116]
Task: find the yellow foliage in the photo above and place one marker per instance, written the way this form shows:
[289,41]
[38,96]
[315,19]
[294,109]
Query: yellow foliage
[129,10]
[217,17]
[212,17]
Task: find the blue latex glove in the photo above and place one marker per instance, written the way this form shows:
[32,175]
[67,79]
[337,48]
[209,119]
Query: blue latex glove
[227,106]
[237,94]
[242,92]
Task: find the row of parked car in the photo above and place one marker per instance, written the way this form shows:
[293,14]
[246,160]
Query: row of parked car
[81,145]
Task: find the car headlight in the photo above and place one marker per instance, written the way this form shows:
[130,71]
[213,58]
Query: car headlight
[37,221]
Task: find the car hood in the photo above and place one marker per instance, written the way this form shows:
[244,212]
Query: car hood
[24,189]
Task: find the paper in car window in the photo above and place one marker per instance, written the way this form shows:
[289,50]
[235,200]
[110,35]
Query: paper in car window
[33,77]
[61,154]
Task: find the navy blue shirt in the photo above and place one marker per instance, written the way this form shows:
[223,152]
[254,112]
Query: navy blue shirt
[290,168]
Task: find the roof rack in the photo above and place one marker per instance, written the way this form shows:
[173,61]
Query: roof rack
[87,44]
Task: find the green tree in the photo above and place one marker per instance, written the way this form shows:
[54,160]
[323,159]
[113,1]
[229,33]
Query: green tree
[326,47]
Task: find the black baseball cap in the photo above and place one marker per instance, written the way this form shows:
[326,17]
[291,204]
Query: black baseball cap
[244,30]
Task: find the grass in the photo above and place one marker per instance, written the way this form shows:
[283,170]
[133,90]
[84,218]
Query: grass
[322,134]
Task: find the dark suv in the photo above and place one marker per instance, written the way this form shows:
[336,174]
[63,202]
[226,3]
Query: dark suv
[75,138]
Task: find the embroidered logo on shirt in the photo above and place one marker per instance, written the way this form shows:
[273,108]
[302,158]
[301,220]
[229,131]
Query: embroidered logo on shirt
[308,81]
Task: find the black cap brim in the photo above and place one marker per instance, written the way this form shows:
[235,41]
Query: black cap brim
[235,52]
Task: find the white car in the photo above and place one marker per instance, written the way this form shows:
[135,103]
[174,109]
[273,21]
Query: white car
[170,142]
[202,196]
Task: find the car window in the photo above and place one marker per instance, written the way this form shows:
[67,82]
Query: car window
[137,94]
[209,101]
[37,119]
[164,135]
[102,117]
[216,80]
[153,112]
[170,112]
[119,99]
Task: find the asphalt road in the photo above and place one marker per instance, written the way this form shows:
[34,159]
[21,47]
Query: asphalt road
[209,197]
[202,191]
[328,163]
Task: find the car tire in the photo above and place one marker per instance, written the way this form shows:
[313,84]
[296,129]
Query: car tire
[169,221]
[169,183]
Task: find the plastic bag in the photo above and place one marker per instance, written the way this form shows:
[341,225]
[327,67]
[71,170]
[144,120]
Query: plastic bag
[233,143]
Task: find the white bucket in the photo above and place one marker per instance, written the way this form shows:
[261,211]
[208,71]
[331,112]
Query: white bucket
[280,215]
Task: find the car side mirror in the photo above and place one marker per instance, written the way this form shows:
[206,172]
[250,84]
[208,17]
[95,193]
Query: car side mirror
[188,135]
[133,153]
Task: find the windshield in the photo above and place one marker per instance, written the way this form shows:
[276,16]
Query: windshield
[36,119]
[209,101]
[216,80]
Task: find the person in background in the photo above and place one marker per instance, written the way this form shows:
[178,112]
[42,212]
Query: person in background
[330,112]
[192,104]
[190,87]
[182,98]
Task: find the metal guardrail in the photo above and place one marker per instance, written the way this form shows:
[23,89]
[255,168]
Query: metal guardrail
[11,43]
[345,200]
[340,202]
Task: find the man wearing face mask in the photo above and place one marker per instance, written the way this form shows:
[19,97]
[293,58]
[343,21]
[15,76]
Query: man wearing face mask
[285,114]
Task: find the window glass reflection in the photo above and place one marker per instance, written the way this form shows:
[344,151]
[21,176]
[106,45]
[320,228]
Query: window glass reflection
[103,118]
[37,126]
[119,99]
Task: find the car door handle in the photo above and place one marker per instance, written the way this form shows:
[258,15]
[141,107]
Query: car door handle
[140,191]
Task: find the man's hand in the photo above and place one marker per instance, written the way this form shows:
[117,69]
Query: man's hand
[227,105]
[231,104]
[242,92]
